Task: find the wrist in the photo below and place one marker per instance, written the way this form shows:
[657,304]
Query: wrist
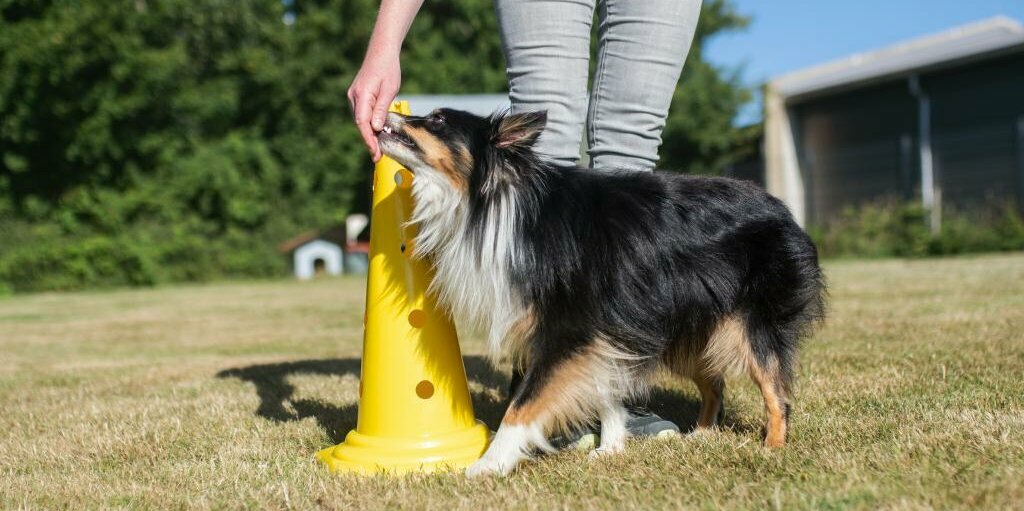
[383,51]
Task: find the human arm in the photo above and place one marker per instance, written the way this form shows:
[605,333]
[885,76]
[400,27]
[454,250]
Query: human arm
[380,75]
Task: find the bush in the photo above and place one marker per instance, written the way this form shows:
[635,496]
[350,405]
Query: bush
[91,262]
[46,258]
[891,228]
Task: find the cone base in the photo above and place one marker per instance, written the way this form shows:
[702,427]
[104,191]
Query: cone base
[365,454]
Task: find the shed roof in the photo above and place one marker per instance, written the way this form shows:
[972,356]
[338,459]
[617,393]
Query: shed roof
[957,45]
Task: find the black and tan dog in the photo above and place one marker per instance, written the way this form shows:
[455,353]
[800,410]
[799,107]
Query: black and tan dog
[592,280]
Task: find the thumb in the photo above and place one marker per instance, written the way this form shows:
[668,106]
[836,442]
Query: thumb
[380,109]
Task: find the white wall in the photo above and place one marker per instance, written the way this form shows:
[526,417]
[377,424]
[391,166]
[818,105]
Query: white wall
[783,178]
[306,255]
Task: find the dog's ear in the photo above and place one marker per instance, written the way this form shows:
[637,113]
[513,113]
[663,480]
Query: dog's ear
[518,130]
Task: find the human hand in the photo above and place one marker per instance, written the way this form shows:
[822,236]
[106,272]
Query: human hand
[370,95]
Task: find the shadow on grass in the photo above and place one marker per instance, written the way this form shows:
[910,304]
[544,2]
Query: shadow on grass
[276,392]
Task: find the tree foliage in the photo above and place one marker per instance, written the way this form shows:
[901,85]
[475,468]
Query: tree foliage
[699,135]
[144,141]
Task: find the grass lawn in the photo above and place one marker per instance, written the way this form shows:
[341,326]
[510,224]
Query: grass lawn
[213,396]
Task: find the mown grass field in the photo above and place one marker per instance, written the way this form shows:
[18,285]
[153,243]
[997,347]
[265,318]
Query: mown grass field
[217,396]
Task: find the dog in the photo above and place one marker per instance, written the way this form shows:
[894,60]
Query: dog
[592,281]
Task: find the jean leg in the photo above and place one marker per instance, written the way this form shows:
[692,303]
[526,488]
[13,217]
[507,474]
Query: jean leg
[642,48]
[547,54]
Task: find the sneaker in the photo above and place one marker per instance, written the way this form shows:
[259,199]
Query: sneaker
[641,424]
[583,439]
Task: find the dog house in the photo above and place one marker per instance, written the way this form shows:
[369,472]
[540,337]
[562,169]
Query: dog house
[316,253]
[317,257]
[340,249]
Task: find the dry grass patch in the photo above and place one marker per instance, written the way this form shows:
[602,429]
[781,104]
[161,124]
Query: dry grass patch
[217,396]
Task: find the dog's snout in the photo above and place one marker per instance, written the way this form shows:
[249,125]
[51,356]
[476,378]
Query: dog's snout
[394,121]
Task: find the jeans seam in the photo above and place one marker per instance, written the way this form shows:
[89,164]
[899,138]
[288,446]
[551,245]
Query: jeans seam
[598,81]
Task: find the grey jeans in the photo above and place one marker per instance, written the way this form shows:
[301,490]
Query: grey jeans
[642,45]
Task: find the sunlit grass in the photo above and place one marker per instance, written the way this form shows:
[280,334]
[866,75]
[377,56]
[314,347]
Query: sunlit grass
[218,396]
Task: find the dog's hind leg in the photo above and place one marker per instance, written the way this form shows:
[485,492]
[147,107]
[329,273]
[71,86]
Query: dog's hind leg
[735,347]
[712,394]
[770,379]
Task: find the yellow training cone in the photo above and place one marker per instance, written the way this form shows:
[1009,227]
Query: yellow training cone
[415,413]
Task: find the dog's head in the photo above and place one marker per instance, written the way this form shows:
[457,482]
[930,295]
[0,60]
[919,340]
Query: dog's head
[456,147]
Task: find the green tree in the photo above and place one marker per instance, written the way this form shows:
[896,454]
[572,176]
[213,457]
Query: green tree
[197,134]
[700,136]
[146,141]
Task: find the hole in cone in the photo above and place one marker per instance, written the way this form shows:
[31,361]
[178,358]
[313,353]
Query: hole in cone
[403,178]
[424,389]
[417,318]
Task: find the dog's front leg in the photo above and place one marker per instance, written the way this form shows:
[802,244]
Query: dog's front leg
[613,429]
[511,444]
[522,428]
[560,393]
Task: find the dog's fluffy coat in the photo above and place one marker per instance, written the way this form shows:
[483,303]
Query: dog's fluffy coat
[591,280]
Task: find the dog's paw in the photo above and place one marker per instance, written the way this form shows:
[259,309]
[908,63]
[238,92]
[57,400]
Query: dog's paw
[602,452]
[485,467]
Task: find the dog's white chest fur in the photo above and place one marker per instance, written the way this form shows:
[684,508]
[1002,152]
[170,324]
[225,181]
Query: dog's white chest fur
[471,272]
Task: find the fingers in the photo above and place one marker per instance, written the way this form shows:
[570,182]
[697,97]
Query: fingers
[370,95]
[363,102]
[380,110]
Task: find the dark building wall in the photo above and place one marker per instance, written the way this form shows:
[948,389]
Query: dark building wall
[857,147]
[751,170]
[861,145]
[751,166]
[976,134]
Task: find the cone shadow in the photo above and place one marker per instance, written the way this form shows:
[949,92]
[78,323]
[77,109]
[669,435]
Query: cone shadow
[489,394]
[276,392]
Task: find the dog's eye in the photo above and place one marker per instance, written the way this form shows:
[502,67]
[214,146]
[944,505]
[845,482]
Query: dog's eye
[436,119]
